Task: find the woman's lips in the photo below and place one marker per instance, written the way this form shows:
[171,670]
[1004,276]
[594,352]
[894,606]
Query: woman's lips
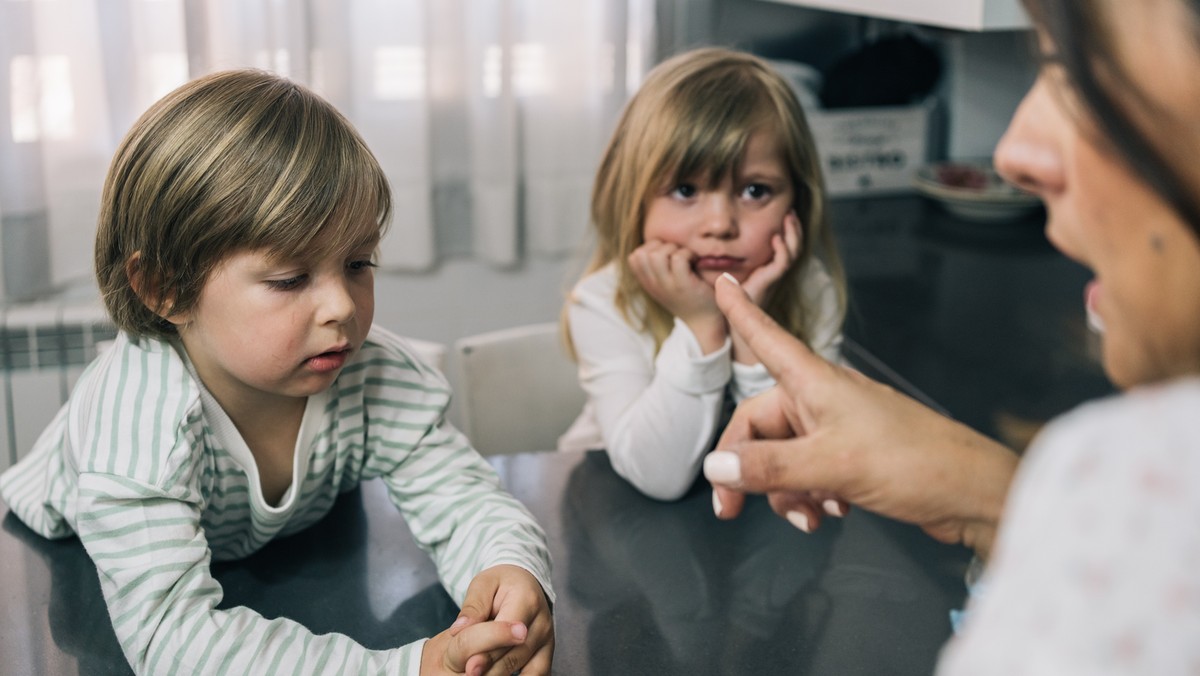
[328,361]
[719,263]
[1091,297]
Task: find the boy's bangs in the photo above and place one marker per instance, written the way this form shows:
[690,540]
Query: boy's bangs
[337,200]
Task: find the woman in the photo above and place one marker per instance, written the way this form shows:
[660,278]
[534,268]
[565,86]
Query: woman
[1093,564]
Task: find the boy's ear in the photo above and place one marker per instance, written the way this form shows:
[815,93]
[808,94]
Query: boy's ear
[147,290]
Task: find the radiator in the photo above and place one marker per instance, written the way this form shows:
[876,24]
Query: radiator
[43,349]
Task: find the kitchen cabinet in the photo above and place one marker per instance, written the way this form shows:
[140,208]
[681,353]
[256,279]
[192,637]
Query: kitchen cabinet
[972,15]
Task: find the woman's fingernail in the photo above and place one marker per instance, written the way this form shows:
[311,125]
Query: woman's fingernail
[833,507]
[731,278]
[716,504]
[799,520]
[723,467]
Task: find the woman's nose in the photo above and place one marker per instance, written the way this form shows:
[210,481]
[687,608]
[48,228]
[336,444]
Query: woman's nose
[1029,154]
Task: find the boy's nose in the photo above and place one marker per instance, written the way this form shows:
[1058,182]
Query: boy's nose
[337,305]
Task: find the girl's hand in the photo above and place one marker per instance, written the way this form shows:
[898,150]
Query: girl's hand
[665,272]
[787,246]
[508,595]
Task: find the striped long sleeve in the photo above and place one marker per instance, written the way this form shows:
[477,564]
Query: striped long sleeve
[153,477]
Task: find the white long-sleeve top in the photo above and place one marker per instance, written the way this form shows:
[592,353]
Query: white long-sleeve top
[1094,567]
[656,415]
[151,474]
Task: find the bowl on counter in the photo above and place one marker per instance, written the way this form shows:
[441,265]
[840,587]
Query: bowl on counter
[972,190]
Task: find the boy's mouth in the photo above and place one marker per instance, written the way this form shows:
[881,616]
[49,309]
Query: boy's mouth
[331,360]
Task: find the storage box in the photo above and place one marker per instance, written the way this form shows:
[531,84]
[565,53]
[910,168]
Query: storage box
[872,150]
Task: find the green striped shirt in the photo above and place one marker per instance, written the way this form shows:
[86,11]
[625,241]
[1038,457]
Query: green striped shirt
[151,474]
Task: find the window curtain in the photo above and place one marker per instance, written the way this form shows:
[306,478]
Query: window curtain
[488,116]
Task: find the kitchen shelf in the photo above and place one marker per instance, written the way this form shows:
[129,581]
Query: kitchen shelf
[971,15]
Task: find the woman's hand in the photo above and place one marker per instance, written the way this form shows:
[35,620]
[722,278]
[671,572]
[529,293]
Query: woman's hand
[665,272]
[510,596]
[787,245]
[830,431]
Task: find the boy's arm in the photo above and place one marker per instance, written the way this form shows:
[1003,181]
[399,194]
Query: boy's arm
[452,501]
[153,562]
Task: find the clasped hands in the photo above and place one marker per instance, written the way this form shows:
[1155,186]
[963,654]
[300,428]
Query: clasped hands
[505,626]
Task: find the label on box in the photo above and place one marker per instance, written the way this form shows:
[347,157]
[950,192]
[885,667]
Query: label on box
[871,150]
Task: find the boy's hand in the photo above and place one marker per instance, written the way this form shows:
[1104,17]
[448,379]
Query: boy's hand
[508,594]
[450,652]
[665,272]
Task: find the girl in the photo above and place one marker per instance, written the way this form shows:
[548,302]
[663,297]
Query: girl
[247,389]
[711,170]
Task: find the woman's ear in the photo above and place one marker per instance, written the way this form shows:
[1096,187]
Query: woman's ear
[147,290]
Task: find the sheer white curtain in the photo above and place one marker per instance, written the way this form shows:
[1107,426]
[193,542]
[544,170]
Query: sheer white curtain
[487,115]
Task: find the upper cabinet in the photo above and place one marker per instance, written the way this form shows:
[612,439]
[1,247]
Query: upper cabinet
[971,15]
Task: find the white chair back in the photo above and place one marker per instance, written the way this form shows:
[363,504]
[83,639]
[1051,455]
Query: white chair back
[518,389]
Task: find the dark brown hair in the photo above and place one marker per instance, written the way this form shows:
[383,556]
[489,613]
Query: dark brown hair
[1083,41]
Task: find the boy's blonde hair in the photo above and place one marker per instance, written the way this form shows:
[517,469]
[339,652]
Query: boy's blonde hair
[691,120]
[233,161]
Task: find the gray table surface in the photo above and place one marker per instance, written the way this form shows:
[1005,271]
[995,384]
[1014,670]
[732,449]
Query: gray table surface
[644,587]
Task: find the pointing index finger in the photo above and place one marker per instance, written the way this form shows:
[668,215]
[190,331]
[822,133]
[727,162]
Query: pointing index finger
[782,353]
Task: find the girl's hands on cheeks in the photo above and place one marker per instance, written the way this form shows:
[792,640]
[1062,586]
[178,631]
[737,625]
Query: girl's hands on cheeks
[511,597]
[665,272]
[787,245]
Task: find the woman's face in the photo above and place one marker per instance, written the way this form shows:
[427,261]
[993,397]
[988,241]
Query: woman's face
[1146,260]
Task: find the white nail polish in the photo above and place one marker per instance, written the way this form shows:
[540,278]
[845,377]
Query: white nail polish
[799,520]
[723,467]
[716,504]
[731,278]
[832,508]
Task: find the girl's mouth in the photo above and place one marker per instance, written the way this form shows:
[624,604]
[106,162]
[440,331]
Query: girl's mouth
[718,263]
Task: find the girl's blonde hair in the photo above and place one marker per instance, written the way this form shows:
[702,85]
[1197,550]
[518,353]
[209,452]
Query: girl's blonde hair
[691,119]
[236,160]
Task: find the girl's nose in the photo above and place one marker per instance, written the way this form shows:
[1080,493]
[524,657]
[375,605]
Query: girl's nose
[1028,154]
[720,217]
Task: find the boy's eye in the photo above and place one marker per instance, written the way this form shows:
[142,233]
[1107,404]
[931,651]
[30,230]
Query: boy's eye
[360,265]
[683,191]
[287,284]
[756,191]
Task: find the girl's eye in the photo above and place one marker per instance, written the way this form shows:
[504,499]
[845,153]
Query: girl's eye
[288,284]
[683,191]
[757,192]
[360,265]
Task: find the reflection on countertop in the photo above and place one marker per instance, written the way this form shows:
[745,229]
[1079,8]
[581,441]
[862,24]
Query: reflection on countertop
[987,319]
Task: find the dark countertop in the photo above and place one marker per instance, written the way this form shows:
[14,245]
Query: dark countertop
[986,320]
[644,587]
